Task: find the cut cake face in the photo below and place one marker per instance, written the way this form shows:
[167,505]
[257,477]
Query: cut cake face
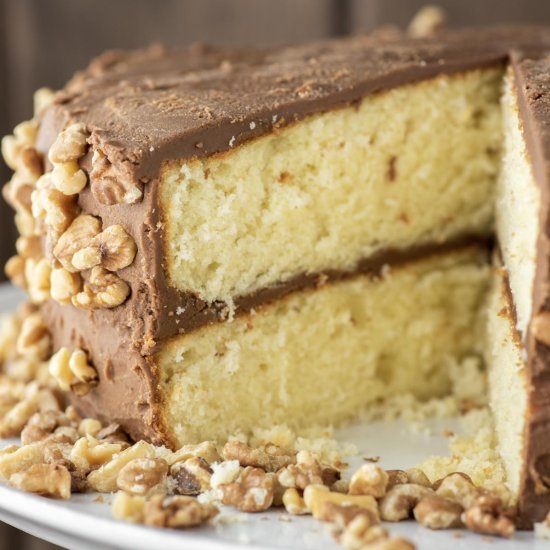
[237,239]
[519,393]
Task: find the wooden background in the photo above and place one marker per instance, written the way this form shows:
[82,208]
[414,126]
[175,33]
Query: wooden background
[42,42]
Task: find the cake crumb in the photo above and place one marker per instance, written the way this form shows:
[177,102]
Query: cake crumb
[318,440]
[224,472]
[230,519]
[473,453]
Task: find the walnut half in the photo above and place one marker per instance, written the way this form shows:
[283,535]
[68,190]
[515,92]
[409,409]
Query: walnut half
[51,480]
[252,491]
[102,290]
[176,512]
[77,236]
[110,185]
[113,249]
[488,516]
[143,476]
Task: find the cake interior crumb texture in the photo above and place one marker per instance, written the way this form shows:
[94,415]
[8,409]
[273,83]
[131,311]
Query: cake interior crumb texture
[475,453]
[322,356]
[406,166]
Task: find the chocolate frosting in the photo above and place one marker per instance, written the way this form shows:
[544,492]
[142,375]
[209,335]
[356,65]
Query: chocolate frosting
[149,108]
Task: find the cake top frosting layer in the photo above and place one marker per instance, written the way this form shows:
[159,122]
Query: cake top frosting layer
[152,105]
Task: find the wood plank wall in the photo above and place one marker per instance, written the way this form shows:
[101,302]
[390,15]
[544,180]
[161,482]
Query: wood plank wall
[42,42]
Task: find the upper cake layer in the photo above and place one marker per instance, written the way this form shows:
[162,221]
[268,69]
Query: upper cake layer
[336,188]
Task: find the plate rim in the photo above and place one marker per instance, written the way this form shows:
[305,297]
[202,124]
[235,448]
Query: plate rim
[82,526]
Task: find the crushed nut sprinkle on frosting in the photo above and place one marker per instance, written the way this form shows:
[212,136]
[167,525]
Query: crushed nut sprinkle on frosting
[103,289]
[53,229]
[113,249]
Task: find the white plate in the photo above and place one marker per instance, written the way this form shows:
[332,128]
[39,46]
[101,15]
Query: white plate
[84,523]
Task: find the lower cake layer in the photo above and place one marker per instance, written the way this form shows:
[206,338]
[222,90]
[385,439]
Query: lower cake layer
[321,356]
